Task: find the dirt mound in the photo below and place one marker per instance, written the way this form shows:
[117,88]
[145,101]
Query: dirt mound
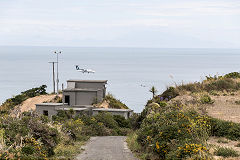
[30,103]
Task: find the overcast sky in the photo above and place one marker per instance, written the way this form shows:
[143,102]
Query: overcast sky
[121,23]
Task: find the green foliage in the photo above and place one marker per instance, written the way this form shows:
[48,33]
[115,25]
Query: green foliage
[169,132]
[107,119]
[18,99]
[29,150]
[191,87]
[222,84]
[221,128]
[214,93]
[115,103]
[170,93]
[212,84]
[35,136]
[153,90]
[226,152]
[232,75]
[121,121]
[206,99]
[63,115]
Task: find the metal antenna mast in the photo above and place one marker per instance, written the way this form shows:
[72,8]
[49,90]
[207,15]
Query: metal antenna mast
[53,64]
[57,52]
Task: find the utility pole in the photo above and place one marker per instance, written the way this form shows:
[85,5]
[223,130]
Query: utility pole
[53,63]
[57,52]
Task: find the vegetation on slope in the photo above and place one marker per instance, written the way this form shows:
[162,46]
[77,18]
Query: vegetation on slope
[18,99]
[30,136]
[115,103]
[36,137]
[110,101]
[166,130]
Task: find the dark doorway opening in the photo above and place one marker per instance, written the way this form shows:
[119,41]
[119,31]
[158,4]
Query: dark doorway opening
[45,113]
[67,100]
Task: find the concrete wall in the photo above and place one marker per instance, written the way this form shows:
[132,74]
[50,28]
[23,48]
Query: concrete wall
[85,97]
[126,114]
[72,96]
[70,85]
[51,110]
[89,85]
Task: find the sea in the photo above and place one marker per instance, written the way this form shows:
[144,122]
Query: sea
[130,72]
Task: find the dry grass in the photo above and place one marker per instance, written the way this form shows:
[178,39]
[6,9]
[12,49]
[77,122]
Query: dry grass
[213,142]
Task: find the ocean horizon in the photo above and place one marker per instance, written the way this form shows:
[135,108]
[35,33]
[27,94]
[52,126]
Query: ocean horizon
[130,72]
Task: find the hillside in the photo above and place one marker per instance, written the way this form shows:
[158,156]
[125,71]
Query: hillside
[199,120]
[111,102]
[29,104]
[25,102]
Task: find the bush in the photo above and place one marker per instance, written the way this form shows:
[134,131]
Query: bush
[168,133]
[18,99]
[114,103]
[36,137]
[232,75]
[226,152]
[170,93]
[191,87]
[206,99]
[122,122]
[107,119]
[222,84]
[221,128]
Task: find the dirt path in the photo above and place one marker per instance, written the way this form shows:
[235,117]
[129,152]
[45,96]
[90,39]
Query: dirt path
[106,148]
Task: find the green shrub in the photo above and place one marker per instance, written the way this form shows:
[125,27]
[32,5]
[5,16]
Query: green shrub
[63,115]
[221,85]
[18,99]
[214,93]
[191,87]
[221,128]
[107,119]
[170,93]
[206,99]
[122,122]
[226,152]
[115,103]
[232,75]
[29,150]
[167,133]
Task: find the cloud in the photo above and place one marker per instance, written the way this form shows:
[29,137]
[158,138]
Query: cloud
[191,9]
[92,20]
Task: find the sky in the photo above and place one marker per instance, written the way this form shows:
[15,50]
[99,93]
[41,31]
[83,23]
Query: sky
[121,23]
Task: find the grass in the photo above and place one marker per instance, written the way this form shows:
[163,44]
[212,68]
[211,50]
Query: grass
[115,103]
[137,149]
[211,85]
[226,152]
[227,129]
[68,151]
